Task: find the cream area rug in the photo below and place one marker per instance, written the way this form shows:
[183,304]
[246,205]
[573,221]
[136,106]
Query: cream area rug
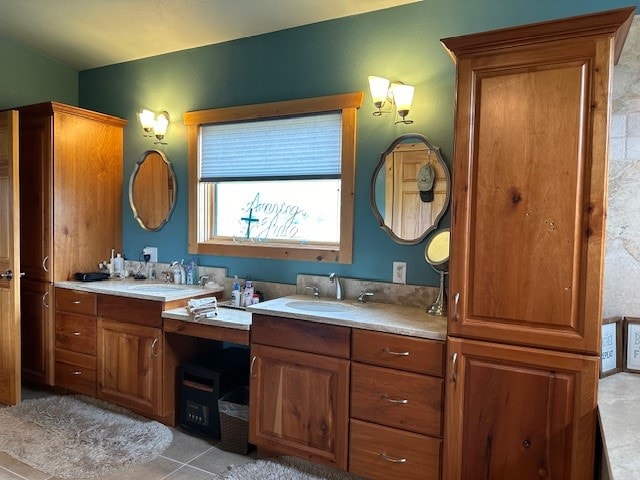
[79,437]
[288,468]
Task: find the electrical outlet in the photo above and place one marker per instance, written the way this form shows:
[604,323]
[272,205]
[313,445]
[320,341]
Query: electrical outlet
[152,252]
[400,272]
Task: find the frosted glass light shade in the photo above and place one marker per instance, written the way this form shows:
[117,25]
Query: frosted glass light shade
[147,119]
[379,88]
[160,125]
[402,96]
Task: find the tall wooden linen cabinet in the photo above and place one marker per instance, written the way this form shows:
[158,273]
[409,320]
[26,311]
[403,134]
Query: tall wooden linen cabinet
[528,217]
[71,213]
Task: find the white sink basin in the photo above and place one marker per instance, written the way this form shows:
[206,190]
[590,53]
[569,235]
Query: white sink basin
[318,306]
[156,288]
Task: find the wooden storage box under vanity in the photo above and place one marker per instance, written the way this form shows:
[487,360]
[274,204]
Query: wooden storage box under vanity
[397,398]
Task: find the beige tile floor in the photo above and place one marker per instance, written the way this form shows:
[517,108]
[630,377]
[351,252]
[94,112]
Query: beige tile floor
[188,457]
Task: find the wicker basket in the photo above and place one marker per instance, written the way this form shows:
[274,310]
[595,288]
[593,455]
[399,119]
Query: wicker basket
[234,421]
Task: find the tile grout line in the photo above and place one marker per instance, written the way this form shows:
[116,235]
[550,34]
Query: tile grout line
[15,473]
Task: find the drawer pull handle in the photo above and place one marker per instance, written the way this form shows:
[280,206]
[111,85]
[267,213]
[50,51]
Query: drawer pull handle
[253,360]
[397,354]
[454,367]
[76,334]
[75,302]
[44,264]
[75,372]
[153,348]
[391,459]
[402,401]
[456,299]
[44,300]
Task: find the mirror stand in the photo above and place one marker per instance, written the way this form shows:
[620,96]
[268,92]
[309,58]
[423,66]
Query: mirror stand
[439,307]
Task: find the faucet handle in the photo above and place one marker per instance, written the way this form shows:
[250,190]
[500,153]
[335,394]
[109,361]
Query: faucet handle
[203,280]
[316,292]
[363,294]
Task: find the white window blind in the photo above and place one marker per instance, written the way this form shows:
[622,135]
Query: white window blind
[299,147]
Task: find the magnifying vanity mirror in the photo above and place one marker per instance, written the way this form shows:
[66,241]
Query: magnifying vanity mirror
[436,253]
[409,190]
[152,190]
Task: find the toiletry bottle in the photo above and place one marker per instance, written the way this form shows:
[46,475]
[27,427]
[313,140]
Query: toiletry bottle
[235,293]
[119,265]
[248,291]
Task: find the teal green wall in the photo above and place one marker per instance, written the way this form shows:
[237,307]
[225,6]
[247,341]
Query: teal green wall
[326,58]
[28,77]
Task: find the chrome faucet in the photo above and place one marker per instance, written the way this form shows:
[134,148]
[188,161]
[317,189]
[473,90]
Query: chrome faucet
[363,295]
[335,279]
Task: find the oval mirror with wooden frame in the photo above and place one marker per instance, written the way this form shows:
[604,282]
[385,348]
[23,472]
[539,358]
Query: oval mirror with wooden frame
[410,188]
[152,190]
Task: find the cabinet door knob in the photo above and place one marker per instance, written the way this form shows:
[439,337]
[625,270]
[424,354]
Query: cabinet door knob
[153,348]
[391,352]
[391,459]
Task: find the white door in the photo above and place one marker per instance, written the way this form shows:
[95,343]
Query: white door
[9,260]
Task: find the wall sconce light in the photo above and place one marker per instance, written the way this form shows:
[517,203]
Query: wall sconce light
[386,94]
[156,124]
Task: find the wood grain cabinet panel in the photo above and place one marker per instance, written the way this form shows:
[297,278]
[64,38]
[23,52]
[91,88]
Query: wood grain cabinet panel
[76,371]
[398,351]
[529,211]
[397,399]
[299,404]
[36,322]
[383,453]
[75,301]
[528,230]
[76,333]
[516,409]
[70,169]
[130,365]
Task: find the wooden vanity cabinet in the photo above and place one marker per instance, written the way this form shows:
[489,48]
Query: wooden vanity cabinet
[528,231]
[396,406]
[130,347]
[70,169]
[299,388]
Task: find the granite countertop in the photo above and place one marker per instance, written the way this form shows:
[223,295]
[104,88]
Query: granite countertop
[146,290]
[227,318]
[619,415]
[382,317]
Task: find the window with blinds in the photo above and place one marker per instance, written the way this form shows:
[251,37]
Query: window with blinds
[274,180]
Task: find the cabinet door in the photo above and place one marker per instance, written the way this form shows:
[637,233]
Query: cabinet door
[37,333]
[530,190]
[299,404]
[130,365]
[35,197]
[516,412]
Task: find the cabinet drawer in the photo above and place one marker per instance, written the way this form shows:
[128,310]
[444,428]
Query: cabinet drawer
[381,453]
[131,310]
[75,301]
[76,333]
[399,351]
[76,371]
[301,335]
[397,399]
